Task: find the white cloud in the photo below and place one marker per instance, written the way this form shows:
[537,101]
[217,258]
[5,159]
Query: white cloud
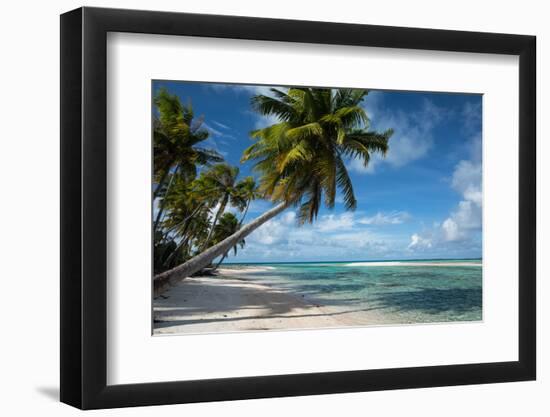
[373,103]
[271,232]
[466,176]
[474,194]
[466,180]
[471,114]
[275,230]
[214,144]
[245,88]
[412,138]
[418,241]
[356,165]
[450,230]
[332,237]
[211,130]
[394,217]
[463,224]
[289,218]
[331,222]
[221,125]
[265,121]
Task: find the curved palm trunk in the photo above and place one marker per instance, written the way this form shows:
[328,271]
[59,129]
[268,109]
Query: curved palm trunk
[162,281]
[162,179]
[215,222]
[186,220]
[162,204]
[160,184]
[245,212]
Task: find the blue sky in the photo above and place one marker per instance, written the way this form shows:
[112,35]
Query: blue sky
[424,200]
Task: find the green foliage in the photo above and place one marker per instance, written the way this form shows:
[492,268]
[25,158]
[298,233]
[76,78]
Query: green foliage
[301,158]
[193,186]
[300,161]
[176,136]
[227,225]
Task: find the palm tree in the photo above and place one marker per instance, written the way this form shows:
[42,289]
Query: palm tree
[176,135]
[248,191]
[221,182]
[186,222]
[301,159]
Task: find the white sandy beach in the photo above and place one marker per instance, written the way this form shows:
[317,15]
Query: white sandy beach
[235,301]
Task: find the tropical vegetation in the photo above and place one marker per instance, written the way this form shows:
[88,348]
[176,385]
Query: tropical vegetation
[193,187]
[299,161]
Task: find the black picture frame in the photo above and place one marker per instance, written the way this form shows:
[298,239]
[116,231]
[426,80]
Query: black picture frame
[84,207]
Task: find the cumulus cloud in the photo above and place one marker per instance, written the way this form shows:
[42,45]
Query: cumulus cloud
[331,236]
[289,218]
[466,176]
[275,230]
[269,233]
[330,222]
[450,230]
[464,223]
[413,133]
[466,179]
[418,241]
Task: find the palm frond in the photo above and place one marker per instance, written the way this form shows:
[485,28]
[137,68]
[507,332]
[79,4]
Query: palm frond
[271,106]
[300,159]
[345,185]
[305,131]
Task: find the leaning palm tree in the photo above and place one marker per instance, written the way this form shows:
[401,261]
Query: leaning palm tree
[221,182]
[186,222]
[176,139]
[301,160]
[248,192]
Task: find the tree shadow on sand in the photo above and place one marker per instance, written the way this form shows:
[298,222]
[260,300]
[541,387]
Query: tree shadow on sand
[185,299]
[184,304]
[170,323]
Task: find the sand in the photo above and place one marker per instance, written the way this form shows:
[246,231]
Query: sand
[235,301]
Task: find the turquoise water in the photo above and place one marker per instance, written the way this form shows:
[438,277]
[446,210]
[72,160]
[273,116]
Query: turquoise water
[404,292]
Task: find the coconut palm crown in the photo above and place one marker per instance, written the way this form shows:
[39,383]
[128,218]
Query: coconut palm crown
[303,157]
[176,138]
[300,160]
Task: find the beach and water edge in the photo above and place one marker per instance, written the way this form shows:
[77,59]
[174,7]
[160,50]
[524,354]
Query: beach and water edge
[292,296]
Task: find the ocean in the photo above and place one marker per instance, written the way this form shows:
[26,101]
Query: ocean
[423,291]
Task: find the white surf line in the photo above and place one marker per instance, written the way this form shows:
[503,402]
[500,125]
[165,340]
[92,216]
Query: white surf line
[414,264]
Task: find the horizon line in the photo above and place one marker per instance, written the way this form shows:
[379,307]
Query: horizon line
[354,261]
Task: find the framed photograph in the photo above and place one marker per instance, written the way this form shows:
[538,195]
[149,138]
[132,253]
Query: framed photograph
[258,208]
